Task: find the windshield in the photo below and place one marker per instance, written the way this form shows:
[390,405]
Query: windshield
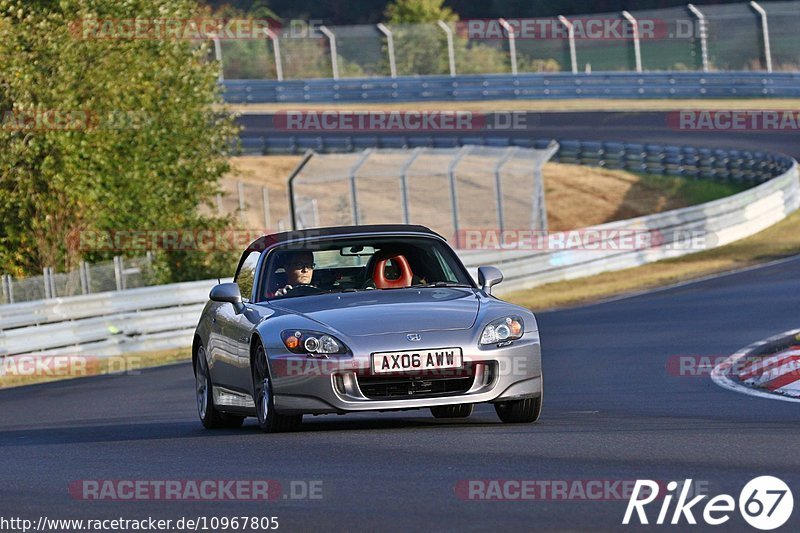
[365,263]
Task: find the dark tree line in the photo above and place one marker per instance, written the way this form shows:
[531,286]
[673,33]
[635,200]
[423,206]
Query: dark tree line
[338,12]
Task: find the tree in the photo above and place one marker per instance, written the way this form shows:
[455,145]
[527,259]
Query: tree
[418,11]
[106,133]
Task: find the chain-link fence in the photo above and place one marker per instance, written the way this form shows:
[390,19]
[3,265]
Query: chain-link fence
[251,204]
[747,36]
[448,190]
[116,275]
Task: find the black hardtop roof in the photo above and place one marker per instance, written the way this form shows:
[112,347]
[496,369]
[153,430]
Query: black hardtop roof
[313,234]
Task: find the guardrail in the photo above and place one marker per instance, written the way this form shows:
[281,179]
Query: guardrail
[108,323]
[714,224]
[521,86]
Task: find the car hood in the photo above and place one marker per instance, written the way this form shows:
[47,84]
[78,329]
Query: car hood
[374,312]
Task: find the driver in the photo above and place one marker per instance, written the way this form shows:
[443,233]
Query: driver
[299,268]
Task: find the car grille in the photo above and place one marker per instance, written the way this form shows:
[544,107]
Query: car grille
[418,386]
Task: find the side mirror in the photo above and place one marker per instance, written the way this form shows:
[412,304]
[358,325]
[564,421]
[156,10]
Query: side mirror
[488,277]
[227,293]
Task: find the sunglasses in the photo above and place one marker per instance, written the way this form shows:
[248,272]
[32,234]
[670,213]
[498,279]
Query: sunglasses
[301,266]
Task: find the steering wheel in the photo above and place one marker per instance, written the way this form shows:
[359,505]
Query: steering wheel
[305,289]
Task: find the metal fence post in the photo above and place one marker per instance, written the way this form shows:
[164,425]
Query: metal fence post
[701,19]
[277,50]
[292,205]
[764,33]
[451,173]
[84,277]
[334,57]
[573,56]
[404,182]
[512,46]
[220,209]
[88,279]
[218,56]
[541,202]
[637,51]
[118,273]
[242,204]
[498,184]
[352,177]
[451,53]
[265,204]
[46,281]
[8,287]
[390,47]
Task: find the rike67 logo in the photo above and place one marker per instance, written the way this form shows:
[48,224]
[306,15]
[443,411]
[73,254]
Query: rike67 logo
[765,503]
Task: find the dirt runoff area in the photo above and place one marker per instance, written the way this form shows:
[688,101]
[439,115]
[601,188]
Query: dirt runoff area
[577,196]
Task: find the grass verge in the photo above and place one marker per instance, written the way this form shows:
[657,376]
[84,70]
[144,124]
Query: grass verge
[27,370]
[690,191]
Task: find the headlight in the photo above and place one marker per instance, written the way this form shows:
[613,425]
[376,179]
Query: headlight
[312,342]
[508,328]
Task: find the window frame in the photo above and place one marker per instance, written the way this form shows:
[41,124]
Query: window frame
[256,272]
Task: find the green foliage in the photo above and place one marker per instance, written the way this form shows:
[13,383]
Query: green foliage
[692,191]
[154,149]
[417,11]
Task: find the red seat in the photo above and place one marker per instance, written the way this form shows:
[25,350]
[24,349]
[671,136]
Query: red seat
[379,271]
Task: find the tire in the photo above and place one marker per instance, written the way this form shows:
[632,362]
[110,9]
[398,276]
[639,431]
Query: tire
[520,411]
[462,410]
[268,420]
[209,415]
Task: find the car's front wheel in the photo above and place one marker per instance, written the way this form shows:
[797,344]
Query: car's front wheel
[206,410]
[268,420]
[462,410]
[520,411]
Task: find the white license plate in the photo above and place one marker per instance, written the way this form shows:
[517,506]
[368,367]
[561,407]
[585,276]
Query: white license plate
[388,362]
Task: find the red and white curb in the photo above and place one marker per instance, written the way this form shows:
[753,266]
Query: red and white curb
[772,369]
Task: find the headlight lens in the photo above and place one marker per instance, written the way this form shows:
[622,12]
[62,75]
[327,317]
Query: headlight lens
[505,329]
[312,342]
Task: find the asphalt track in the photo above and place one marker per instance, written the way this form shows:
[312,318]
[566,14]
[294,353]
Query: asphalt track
[612,412]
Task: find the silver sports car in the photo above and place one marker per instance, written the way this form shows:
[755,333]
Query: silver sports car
[361,318]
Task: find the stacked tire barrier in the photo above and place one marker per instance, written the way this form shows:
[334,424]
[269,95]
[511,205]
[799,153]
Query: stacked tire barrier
[738,166]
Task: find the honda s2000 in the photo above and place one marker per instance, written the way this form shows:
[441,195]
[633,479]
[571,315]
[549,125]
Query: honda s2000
[361,318]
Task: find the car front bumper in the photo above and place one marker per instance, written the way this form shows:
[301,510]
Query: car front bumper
[339,385]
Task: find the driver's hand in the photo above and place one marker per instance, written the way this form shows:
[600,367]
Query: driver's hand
[282,291]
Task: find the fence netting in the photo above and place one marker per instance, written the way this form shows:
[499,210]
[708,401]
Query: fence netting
[670,40]
[447,189]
